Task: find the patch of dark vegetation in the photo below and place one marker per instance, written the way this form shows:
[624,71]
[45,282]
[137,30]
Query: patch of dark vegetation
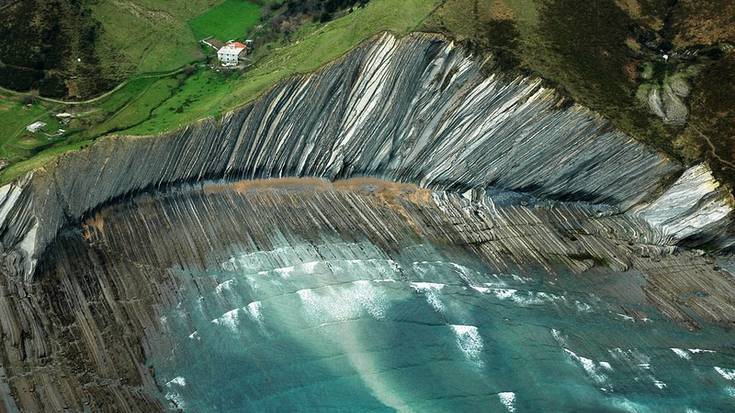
[50,46]
[589,58]
[285,17]
[710,133]
[610,55]
[500,37]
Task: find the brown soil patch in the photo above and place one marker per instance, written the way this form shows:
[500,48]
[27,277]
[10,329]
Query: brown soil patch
[93,224]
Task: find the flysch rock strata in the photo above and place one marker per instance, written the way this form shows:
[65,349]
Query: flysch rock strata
[78,337]
[502,166]
[417,109]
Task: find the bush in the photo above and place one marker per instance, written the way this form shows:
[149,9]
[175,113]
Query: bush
[52,86]
[28,99]
[189,70]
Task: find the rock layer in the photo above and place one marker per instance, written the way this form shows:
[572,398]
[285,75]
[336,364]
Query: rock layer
[78,337]
[544,184]
[416,109]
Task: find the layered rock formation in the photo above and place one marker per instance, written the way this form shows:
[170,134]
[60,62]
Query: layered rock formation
[415,110]
[543,183]
[78,337]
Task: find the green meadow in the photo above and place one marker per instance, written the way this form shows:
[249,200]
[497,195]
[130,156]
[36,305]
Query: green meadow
[230,20]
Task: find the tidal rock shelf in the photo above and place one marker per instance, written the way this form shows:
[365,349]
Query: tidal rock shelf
[417,109]
[82,336]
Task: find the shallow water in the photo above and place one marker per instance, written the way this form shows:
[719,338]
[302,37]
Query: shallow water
[348,327]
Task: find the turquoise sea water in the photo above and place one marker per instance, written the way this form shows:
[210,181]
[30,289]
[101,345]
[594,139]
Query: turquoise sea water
[348,327]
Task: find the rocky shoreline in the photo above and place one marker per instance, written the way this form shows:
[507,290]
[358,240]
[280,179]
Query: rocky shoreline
[498,166]
[415,110]
[78,337]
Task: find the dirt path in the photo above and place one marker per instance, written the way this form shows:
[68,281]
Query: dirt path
[713,150]
[97,98]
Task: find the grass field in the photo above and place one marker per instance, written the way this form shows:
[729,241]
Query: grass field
[149,106]
[15,142]
[229,20]
[315,45]
[143,36]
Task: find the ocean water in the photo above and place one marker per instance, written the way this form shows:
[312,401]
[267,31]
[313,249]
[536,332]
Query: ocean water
[342,326]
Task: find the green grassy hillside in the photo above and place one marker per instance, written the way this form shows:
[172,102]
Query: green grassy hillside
[148,35]
[80,48]
[148,105]
[229,20]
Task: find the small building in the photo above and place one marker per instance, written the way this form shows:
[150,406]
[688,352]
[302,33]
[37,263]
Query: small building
[230,54]
[35,127]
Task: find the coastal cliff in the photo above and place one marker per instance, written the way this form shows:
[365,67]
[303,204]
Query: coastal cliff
[81,335]
[94,244]
[417,109]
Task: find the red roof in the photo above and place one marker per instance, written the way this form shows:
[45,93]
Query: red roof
[237,45]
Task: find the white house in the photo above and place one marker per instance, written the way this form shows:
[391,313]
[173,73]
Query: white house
[230,53]
[35,126]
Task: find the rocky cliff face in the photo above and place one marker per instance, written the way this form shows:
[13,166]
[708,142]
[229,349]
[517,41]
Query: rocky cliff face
[79,336]
[505,168]
[414,110]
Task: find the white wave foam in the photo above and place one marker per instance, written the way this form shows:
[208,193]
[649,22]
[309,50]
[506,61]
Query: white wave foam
[497,283]
[659,384]
[308,299]
[520,279]
[371,299]
[504,293]
[285,272]
[469,342]
[344,302]
[430,291]
[631,357]
[589,366]
[728,374]
[228,319]
[309,267]
[582,307]
[625,317]
[557,336]
[629,406]
[699,350]
[508,399]
[681,353]
[527,297]
[223,286]
[176,400]
[254,310]
[461,269]
[424,286]
[179,381]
